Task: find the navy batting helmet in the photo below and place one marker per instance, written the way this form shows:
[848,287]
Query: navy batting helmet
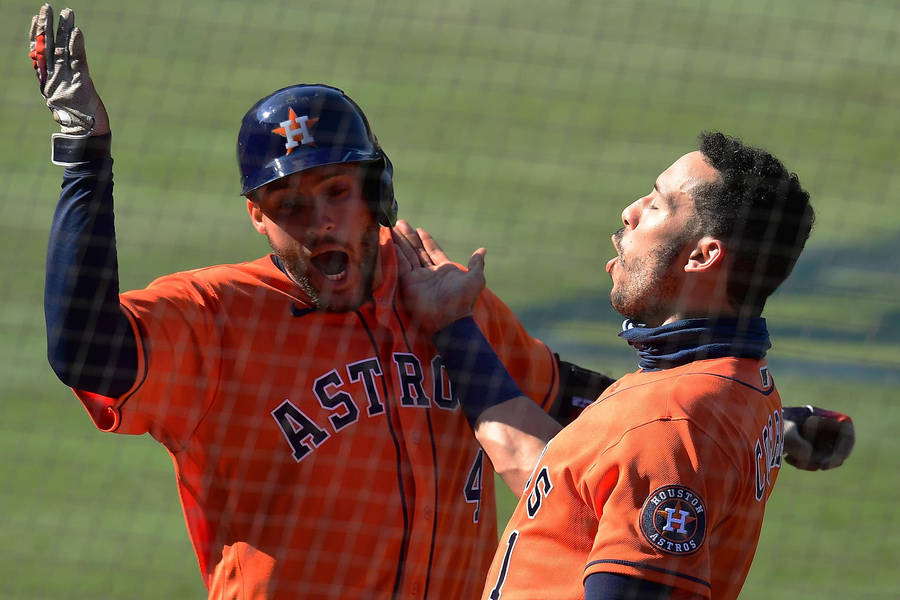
[304,126]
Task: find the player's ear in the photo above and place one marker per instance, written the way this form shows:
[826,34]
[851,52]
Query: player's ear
[256,216]
[708,253]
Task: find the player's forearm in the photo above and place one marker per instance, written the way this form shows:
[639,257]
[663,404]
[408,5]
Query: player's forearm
[479,379]
[511,428]
[513,434]
[90,344]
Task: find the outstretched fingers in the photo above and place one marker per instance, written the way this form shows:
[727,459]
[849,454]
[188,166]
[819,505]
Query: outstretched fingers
[37,54]
[76,49]
[63,34]
[407,258]
[476,262]
[431,248]
[41,43]
[412,237]
[45,25]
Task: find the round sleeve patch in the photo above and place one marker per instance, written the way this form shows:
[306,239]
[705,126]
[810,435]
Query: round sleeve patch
[673,519]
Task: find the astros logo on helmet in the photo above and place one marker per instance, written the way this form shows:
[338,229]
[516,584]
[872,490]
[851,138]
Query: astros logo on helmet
[296,130]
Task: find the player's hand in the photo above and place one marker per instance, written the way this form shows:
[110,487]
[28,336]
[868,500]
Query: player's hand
[436,291]
[61,67]
[815,438]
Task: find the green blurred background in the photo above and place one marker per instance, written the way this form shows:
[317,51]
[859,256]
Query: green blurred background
[522,126]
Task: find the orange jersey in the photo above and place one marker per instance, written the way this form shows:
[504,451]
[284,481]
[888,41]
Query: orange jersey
[664,478]
[317,454]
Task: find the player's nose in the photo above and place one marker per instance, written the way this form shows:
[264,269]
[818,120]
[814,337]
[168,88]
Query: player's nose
[631,214]
[323,217]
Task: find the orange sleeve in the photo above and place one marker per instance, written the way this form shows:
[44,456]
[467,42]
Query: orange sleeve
[529,361]
[656,494]
[178,364]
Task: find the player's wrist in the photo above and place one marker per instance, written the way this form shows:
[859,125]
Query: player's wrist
[447,323]
[69,150]
[479,380]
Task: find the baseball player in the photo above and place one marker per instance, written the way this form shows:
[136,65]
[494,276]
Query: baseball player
[658,489]
[318,448]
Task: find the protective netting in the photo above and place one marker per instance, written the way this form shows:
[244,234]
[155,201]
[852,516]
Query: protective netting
[525,127]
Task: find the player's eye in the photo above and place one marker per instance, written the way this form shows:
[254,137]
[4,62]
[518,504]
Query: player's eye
[290,206]
[336,191]
[337,188]
[339,191]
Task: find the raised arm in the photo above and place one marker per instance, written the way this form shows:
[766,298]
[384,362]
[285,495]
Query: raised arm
[511,428]
[90,343]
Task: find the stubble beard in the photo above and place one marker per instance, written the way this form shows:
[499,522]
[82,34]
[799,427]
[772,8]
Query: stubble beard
[650,292]
[298,268]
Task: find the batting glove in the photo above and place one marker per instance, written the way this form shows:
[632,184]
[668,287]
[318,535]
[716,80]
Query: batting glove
[61,67]
[815,438]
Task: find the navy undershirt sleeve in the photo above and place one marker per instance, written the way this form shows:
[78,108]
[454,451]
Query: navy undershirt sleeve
[612,586]
[90,343]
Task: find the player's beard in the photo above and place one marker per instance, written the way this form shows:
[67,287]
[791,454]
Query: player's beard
[297,267]
[649,290]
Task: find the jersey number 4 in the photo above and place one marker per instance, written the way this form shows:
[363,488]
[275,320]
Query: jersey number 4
[472,491]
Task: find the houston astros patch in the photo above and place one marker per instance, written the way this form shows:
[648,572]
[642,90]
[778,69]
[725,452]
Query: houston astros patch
[673,519]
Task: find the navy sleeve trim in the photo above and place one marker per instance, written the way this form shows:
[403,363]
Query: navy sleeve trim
[628,563]
[614,586]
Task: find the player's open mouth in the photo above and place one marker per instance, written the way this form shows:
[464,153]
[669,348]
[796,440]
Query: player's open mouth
[332,264]
[616,239]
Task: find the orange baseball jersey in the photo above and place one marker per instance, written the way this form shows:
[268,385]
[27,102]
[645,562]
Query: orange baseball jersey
[664,478]
[317,454]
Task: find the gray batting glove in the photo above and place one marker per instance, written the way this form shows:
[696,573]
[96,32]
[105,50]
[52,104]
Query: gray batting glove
[61,67]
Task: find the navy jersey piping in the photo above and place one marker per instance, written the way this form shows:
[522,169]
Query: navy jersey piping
[434,461]
[743,383]
[404,544]
[554,368]
[146,367]
[628,563]
[296,311]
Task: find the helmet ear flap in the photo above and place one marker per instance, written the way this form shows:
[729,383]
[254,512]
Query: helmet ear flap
[380,191]
[387,205]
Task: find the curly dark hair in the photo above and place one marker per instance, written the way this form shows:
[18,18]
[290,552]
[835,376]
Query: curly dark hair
[761,213]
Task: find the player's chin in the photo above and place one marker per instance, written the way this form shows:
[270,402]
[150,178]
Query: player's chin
[340,302]
[624,304]
[340,294]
